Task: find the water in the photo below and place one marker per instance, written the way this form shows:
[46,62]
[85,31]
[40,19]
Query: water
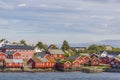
[59,76]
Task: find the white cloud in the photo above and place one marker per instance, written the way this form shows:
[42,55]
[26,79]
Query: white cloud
[22,5]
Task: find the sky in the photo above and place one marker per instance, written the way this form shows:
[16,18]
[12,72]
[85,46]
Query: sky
[53,21]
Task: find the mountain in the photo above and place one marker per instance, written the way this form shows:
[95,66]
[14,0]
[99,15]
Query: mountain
[114,43]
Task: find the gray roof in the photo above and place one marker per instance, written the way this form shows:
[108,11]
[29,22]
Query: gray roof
[14,60]
[10,52]
[41,54]
[111,53]
[44,60]
[25,47]
[55,51]
[73,57]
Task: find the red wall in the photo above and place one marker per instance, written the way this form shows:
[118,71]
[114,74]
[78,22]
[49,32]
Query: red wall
[25,54]
[2,56]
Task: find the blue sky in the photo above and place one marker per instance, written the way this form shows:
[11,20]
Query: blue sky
[52,21]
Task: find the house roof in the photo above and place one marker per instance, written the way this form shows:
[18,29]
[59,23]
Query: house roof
[10,52]
[25,47]
[14,60]
[36,60]
[44,60]
[73,57]
[41,54]
[111,53]
[56,51]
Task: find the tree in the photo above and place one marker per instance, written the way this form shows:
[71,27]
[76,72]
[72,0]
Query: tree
[45,46]
[2,39]
[23,42]
[65,45]
[96,48]
[42,46]
[14,43]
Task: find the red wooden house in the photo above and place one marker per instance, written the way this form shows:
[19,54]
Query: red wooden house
[104,60]
[81,60]
[13,55]
[64,65]
[13,63]
[95,62]
[40,63]
[86,59]
[26,51]
[56,53]
[115,63]
[76,63]
[2,56]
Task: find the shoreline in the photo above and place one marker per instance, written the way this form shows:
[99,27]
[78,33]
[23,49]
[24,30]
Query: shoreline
[44,71]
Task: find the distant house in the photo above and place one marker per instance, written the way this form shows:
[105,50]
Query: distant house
[108,47]
[26,51]
[103,54]
[79,48]
[37,49]
[109,54]
[56,53]
[13,63]
[4,42]
[13,55]
[2,56]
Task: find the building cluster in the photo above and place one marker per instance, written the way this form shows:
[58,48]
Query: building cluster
[19,56]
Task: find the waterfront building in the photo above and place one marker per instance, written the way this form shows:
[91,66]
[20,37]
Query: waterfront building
[56,53]
[115,63]
[40,63]
[63,65]
[2,56]
[13,55]
[95,62]
[26,51]
[13,63]
[76,63]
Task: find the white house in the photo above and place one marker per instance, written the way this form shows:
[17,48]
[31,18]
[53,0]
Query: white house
[4,42]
